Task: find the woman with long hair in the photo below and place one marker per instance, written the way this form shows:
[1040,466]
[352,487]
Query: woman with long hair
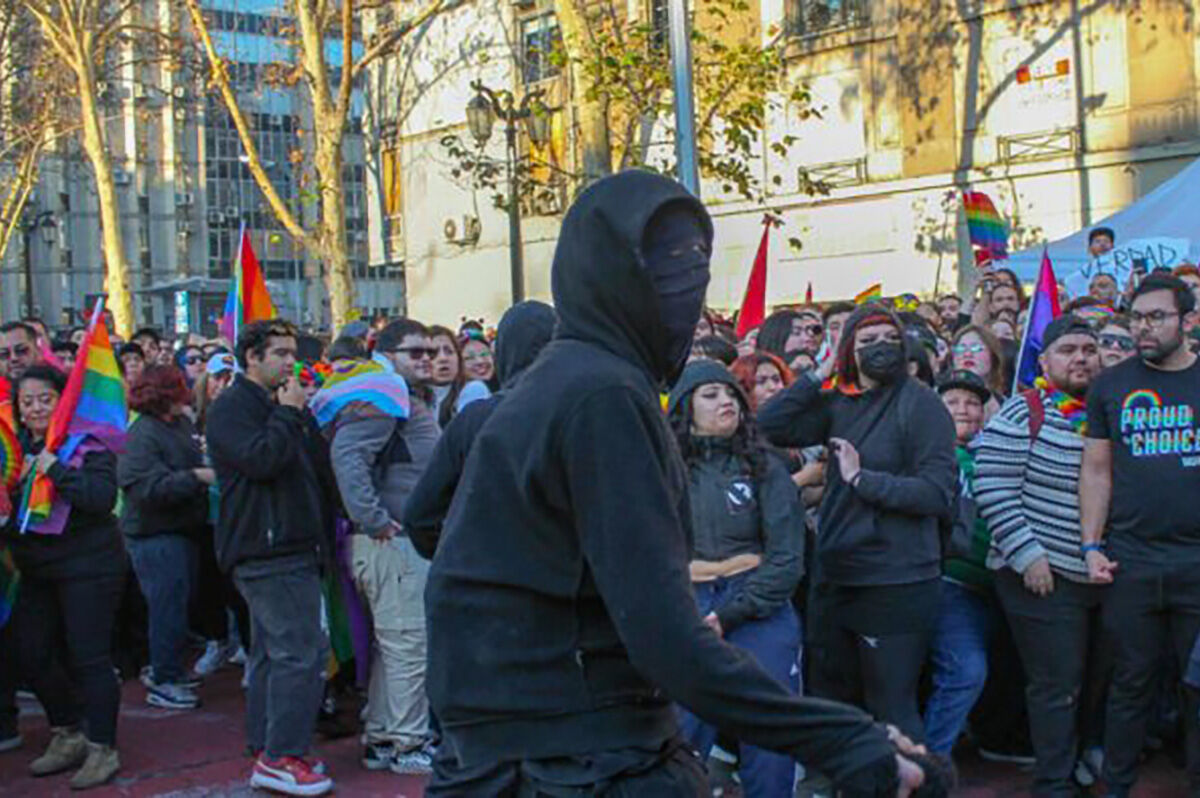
[72,574]
[747,546]
[189,359]
[165,521]
[891,477]
[975,349]
[761,375]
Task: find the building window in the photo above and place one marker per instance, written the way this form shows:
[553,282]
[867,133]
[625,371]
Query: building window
[810,17]
[540,40]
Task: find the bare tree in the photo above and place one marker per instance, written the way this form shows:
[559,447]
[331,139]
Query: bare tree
[91,39]
[329,89]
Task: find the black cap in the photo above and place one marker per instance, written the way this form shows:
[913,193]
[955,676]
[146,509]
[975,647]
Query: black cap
[967,381]
[1067,324]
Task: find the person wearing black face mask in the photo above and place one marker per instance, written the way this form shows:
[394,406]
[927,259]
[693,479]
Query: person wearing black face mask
[878,560]
[561,618]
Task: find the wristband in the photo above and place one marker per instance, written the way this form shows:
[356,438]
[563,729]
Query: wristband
[1086,547]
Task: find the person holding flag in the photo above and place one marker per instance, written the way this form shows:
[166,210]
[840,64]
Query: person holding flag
[65,542]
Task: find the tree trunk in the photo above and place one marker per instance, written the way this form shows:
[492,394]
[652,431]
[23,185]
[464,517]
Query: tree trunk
[338,280]
[590,113]
[116,277]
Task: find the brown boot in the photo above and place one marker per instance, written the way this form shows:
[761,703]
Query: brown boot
[102,763]
[68,748]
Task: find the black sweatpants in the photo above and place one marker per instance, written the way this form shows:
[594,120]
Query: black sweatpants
[1148,605]
[66,627]
[8,679]
[1054,635]
[871,659]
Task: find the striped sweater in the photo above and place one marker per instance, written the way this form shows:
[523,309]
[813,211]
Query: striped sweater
[1028,494]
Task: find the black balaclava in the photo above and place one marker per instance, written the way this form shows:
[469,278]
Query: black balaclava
[675,253]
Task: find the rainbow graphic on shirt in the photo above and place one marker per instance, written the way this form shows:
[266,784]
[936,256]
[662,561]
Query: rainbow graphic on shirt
[1152,428]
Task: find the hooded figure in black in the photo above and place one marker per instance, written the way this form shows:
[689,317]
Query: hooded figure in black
[560,613]
[521,335]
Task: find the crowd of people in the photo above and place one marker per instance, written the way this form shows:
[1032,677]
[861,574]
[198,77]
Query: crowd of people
[528,555]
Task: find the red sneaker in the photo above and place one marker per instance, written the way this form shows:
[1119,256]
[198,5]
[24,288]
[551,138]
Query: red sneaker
[289,775]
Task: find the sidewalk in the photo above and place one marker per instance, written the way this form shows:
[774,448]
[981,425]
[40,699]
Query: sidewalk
[199,753]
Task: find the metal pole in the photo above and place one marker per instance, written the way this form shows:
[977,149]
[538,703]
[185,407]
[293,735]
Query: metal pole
[685,104]
[516,257]
[27,231]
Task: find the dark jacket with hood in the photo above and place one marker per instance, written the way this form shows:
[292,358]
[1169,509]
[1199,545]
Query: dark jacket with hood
[562,573]
[274,485]
[522,333]
[157,472]
[738,511]
[884,530]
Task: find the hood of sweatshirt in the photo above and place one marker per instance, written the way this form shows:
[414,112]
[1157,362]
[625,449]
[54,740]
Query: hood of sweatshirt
[604,284]
[523,331]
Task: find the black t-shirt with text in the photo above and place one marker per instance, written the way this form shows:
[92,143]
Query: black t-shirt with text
[1152,418]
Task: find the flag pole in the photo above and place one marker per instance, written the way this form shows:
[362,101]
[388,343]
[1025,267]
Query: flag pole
[237,279]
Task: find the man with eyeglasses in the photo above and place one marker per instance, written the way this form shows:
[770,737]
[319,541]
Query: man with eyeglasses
[18,349]
[379,452]
[1140,528]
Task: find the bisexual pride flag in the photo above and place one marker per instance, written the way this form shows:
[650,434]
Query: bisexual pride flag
[1043,309]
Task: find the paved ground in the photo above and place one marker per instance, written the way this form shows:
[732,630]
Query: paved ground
[196,754]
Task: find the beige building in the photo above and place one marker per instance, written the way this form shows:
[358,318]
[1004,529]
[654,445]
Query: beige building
[1062,112]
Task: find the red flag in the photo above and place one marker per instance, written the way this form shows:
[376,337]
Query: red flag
[754,303]
[808,299]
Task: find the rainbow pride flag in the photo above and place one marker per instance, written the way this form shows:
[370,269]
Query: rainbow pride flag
[872,293]
[10,578]
[91,411]
[248,299]
[11,458]
[986,227]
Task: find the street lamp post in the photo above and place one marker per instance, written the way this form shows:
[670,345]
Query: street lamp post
[482,111]
[43,221]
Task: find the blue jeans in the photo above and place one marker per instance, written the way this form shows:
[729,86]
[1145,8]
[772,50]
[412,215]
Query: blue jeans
[960,663]
[166,569]
[774,642]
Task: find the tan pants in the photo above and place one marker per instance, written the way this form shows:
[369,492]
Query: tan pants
[391,577]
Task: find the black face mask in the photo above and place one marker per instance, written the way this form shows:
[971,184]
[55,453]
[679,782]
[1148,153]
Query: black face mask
[882,361]
[676,251]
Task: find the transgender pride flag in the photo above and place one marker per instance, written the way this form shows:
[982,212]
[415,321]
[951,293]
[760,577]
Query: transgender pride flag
[1043,309]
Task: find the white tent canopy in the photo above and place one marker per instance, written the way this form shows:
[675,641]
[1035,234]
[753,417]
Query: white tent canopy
[1167,216]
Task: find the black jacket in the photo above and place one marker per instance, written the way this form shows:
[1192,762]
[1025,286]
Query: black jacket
[274,499]
[562,573]
[157,473]
[521,335]
[884,531]
[90,543]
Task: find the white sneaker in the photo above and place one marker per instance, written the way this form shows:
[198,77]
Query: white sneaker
[216,655]
[239,657]
[171,696]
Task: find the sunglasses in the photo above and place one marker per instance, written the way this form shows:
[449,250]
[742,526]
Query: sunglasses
[1111,341]
[969,349]
[418,352]
[811,329]
[192,360]
[21,350]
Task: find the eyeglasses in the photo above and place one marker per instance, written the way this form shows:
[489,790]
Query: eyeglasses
[418,352]
[1112,341]
[969,349]
[1154,318]
[21,350]
[477,357]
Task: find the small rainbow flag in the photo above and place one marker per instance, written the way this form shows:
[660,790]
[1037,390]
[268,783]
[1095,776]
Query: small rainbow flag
[11,458]
[91,407]
[10,578]
[985,225]
[248,299]
[872,293]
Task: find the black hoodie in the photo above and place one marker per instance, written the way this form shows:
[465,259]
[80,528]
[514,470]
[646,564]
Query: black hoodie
[521,335]
[561,620]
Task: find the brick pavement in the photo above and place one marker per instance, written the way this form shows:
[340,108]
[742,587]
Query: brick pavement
[199,754]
